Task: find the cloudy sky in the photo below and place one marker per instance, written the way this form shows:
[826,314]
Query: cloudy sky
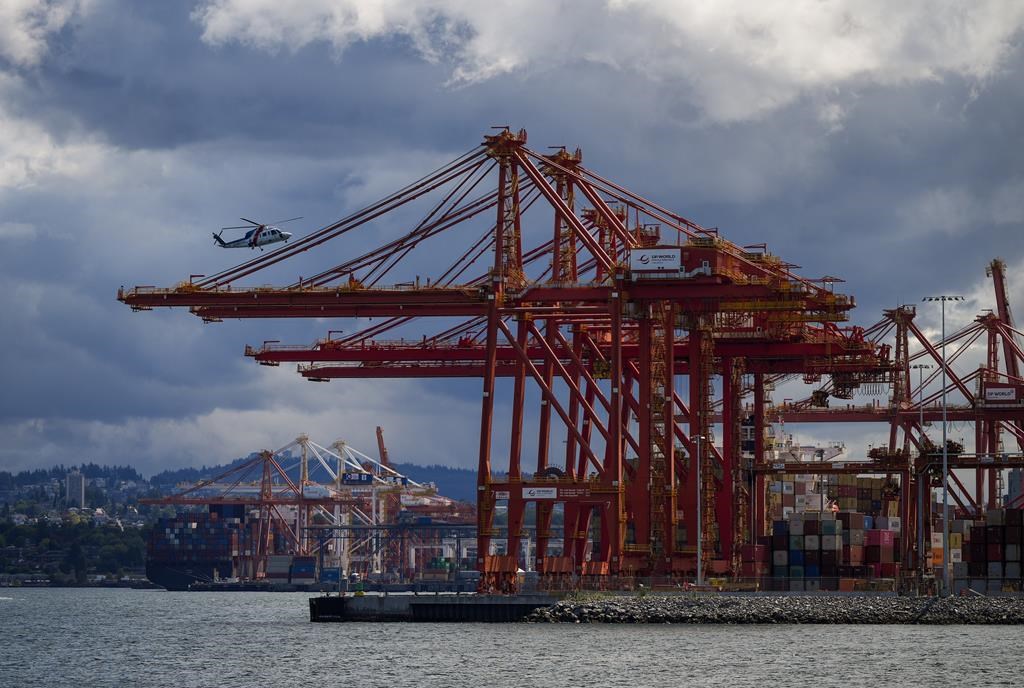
[876,141]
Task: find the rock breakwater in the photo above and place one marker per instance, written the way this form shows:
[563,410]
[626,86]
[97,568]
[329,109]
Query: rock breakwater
[723,609]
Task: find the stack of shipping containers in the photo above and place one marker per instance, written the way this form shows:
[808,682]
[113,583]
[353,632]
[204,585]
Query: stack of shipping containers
[195,546]
[303,571]
[279,568]
[985,556]
[813,548]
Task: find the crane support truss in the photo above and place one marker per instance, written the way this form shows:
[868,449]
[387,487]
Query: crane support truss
[623,359]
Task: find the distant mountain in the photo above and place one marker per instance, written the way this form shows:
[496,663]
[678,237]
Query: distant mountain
[456,483]
[170,478]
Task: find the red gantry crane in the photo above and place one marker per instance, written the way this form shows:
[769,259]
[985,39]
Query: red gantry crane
[990,398]
[618,314]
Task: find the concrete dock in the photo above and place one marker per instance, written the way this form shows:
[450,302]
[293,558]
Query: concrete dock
[426,608]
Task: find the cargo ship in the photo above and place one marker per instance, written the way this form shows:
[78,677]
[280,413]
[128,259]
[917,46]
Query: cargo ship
[198,547]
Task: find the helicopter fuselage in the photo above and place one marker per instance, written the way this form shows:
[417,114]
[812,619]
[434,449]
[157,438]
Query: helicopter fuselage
[263,235]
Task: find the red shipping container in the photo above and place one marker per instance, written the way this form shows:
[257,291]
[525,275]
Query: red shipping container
[754,553]
[879,554]
[995,552]
[749,569]
[885,538]
[853,555]
[888,570]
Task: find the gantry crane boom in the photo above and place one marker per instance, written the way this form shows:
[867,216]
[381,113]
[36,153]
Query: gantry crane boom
[576,310]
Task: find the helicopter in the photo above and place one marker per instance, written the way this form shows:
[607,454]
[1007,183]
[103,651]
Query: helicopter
[259,234]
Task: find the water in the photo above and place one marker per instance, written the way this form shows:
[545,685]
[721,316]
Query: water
[142,638]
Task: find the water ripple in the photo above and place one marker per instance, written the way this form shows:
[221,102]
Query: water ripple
[58,638]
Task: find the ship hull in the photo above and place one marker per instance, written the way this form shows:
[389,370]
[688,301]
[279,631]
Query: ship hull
[180,575]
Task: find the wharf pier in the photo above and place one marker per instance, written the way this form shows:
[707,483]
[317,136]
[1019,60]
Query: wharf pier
[426,608]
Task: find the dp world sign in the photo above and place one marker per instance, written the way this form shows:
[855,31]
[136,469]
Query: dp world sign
[540,493]
[656,259]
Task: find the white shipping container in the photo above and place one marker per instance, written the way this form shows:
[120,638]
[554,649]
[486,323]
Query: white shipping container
[889,523]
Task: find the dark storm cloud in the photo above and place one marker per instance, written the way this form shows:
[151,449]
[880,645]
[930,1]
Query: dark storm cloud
[138,73]
[901,188]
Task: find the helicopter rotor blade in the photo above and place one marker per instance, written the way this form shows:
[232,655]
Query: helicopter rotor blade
[250,221]
[239,227]
[281,222]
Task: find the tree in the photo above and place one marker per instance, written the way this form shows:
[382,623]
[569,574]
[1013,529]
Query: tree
[95,497]
[76,561]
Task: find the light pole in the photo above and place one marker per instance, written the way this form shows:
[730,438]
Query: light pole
[943,298]
[920,368]
[700,538]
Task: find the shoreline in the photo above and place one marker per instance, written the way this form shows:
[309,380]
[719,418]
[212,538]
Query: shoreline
[736,610]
